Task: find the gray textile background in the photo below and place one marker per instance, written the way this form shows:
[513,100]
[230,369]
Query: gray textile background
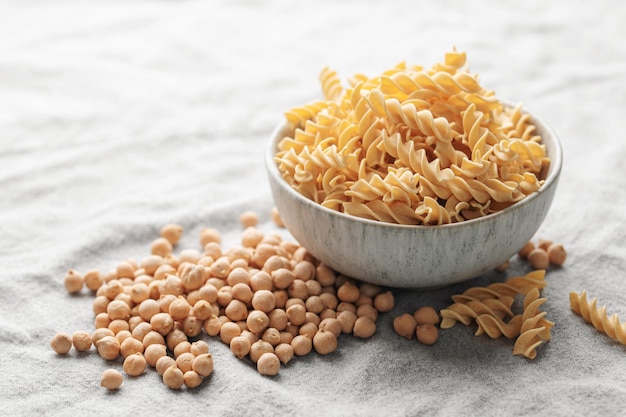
[118,117]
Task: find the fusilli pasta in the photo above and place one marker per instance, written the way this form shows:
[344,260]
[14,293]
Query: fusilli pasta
[598,317]
[412,146]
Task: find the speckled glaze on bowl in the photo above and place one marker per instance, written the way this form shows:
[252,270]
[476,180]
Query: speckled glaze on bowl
[416,257]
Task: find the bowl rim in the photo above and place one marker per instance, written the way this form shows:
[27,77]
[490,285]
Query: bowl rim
[553,173]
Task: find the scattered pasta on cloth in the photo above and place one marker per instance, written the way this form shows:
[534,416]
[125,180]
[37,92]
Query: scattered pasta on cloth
[412,146]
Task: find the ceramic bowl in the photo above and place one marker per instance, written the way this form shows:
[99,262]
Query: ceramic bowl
[417,257]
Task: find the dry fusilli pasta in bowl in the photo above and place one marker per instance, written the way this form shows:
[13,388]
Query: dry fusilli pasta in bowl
[415,178]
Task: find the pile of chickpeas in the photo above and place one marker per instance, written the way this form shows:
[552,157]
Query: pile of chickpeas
[268,299]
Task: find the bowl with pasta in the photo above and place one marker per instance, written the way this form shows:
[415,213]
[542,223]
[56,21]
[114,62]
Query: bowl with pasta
[415,178]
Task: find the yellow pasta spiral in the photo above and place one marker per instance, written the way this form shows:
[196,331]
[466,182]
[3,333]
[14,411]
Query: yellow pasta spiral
[597,316]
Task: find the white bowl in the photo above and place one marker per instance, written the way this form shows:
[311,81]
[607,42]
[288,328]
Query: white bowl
[418,257]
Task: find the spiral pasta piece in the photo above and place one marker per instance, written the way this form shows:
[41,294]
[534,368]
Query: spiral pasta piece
[526,344]
[466,312]
[495,327]
[598,317]
[467,154]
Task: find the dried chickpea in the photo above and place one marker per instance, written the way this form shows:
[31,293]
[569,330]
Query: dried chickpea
[384,302]
[280,297]
[100,304]
[171,285]
[135,364]
[192,326]
[102,321]
[112,289]
[426,334]
[298,289]
[81,341]
[364,327]
[343,306]
[100,333]
[314,287]
[213,325]
[108,348]
[526,249]
[165,301]
[296,314]
[347,319]
[73,281]
[271,336]
[148,308]
[286,337]
[203,365]
[213,250]
[189,255]
[179,308]
[229,330]
[173,378]
[276,217]
[268,364]
[193,277]
[191,379]
[172,232]
[258,348]
[208,235]
[130,346]
[405,325]
[248,219]
[153,338]
[123,335]
[202,310]
[163,363]
[184,361]
[208,293]
[426,315]
[278,318]
[252,337]
[324,342]
[264,300]
[556,254]
[348,292]
[140,331]
[284,352]
[301,345]
[538,259]
[261,280]
[331,325]
[368,311]
[544,244]
[242,292]
[329,300]
[161,247]
[282,277]
[240,346]
[308,330]
[257,321]
[325,275]
[236,310]
[111,379]
[153,352]
[61,343]
[294,301]
[93,279]
[251,237]
[182,347]
[163,323]
[313,318]
[118,325]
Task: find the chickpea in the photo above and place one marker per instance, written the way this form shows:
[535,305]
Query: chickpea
[179,308]
[81,341]
[308,330]
[284,352]
[370,290]
[280,297]
[251,237]
[140,331]
[242,292]
[118,325]
[189,255]
[93,279]
[286,337]
[61,343]
[100,333]
[236,310]
[193,277]
[111,379]
[163,323]
[526,249]
[163,363]
[278,319]
[184,361]
[261,280]
[368,311]
[276,217]
[135,364]
[182,347]
[347,319]
[538,259]
[228,331]
[213,250]
[313,287]
[330,300]
[208,293]
[202,310]
[102,321]
[213,326]
[344,306]
[296,314]
[225,295]
[171,285]
[108,348]
[252,337]
[264,300]
[208,235]
[364,327]
[426,334]
[191,379]
[173,378]
[257,321]
[301,345]
[148,308]
[325,276]
[203,365]
[130,346]
[258,348]
[268,364]
[384,302]
[172,232]
[312,318]
[100,304]
[332,325]
[544,244]
[298,289]
[348,292]
[123,335]
[240,346]
[405,325]
[153,338]
[153,352]
[426,315]
[556,254]
[163,271]
[324,342]
[192,326]
[73,282]
[271,336]
[281,276]
[248,219]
